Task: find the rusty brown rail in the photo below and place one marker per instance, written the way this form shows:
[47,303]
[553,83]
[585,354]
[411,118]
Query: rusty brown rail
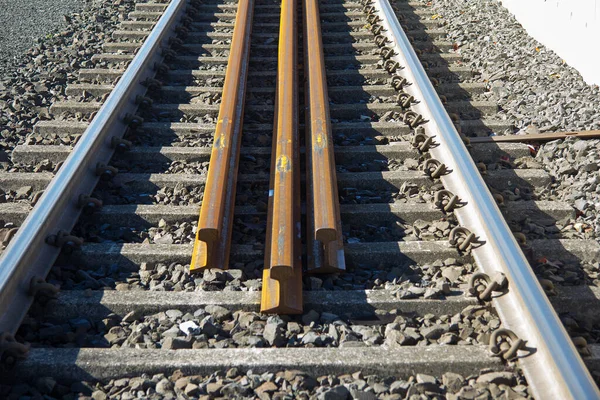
[211,247]
[536,137]
[282,275]
[324,227]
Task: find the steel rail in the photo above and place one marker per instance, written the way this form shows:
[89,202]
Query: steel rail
[28,255]
[551,364]
[285,150]
[213,237]
[324,226]
[282,274]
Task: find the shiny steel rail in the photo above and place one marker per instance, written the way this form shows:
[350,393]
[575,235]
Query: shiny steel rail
[324,226]
[29,256]
[213,238]
[549,359]
[282,275]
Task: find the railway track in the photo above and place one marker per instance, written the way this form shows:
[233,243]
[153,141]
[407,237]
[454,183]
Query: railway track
[181,203]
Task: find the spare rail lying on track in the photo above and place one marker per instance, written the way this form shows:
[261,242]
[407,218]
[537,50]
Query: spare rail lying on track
[213,238]
[537,137]
[537,337]
[282,275]
[324,226]
[31,253]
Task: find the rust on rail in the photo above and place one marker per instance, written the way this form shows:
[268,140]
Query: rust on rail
[213,237]
[324,230]
[282,275]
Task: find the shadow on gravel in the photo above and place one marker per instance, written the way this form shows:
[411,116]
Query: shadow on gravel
[350,107]
[552,263]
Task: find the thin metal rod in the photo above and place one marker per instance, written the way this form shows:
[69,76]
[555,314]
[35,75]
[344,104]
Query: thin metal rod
[536,137]
[554,369]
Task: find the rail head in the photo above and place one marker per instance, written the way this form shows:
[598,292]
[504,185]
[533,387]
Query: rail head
[29,256]
[552,365]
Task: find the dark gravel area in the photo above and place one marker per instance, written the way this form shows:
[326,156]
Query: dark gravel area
[24,194]
[565,273]
[435,280]
[574,165]
[217,327]
[288,384]
[111,193]
[255,194]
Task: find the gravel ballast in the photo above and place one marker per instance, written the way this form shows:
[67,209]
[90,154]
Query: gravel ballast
[24,21]
[218,327]
[534,87]
[288,384]
[39,76]
[537,92]
[574,164]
